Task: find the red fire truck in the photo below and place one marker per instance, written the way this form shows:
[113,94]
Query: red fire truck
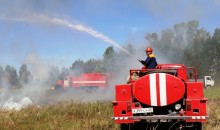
[85,81]
[160,99]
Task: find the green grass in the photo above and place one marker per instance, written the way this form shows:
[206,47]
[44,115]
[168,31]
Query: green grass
[213,108]
[212,93]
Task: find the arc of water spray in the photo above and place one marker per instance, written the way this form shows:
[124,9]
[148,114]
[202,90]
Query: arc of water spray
[91,32]
[33,17]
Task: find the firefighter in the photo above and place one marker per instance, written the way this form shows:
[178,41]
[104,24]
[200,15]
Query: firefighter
[150,62]
[133,76]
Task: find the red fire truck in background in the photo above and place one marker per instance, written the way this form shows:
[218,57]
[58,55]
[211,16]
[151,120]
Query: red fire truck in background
[84,81]
[164,98]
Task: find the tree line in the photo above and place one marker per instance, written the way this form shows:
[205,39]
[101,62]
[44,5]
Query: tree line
[188,44]
[185,43]
[9,76]
[12,78]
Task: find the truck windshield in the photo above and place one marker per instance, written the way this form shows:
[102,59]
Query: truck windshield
[208,78]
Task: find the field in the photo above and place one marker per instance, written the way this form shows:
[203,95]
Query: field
[213,109]
[61,116]
[85,116]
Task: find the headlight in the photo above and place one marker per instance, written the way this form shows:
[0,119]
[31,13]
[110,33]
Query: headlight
[177,106]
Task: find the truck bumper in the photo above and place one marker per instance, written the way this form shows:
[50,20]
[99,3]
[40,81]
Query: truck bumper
[161,118]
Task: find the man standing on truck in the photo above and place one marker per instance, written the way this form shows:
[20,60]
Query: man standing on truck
[150,62]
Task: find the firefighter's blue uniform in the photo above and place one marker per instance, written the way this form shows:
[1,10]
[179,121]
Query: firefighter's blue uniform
[151,62]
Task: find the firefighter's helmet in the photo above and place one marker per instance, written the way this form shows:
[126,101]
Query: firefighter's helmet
[149,49]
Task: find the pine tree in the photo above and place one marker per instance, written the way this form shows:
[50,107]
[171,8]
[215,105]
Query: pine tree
[78,67]
[109,59]
[24,74]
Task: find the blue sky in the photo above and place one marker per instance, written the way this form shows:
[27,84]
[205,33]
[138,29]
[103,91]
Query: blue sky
[24,38]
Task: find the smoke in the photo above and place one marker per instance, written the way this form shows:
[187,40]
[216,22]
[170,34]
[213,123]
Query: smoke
[39,68]
[12,104]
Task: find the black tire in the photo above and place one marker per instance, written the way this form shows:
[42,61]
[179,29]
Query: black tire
[164,126]
[135,126]
[198,126]
[125,126]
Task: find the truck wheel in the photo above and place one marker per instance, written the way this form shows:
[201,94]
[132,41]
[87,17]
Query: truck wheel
[126,126]
[136,126]
[198,126]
